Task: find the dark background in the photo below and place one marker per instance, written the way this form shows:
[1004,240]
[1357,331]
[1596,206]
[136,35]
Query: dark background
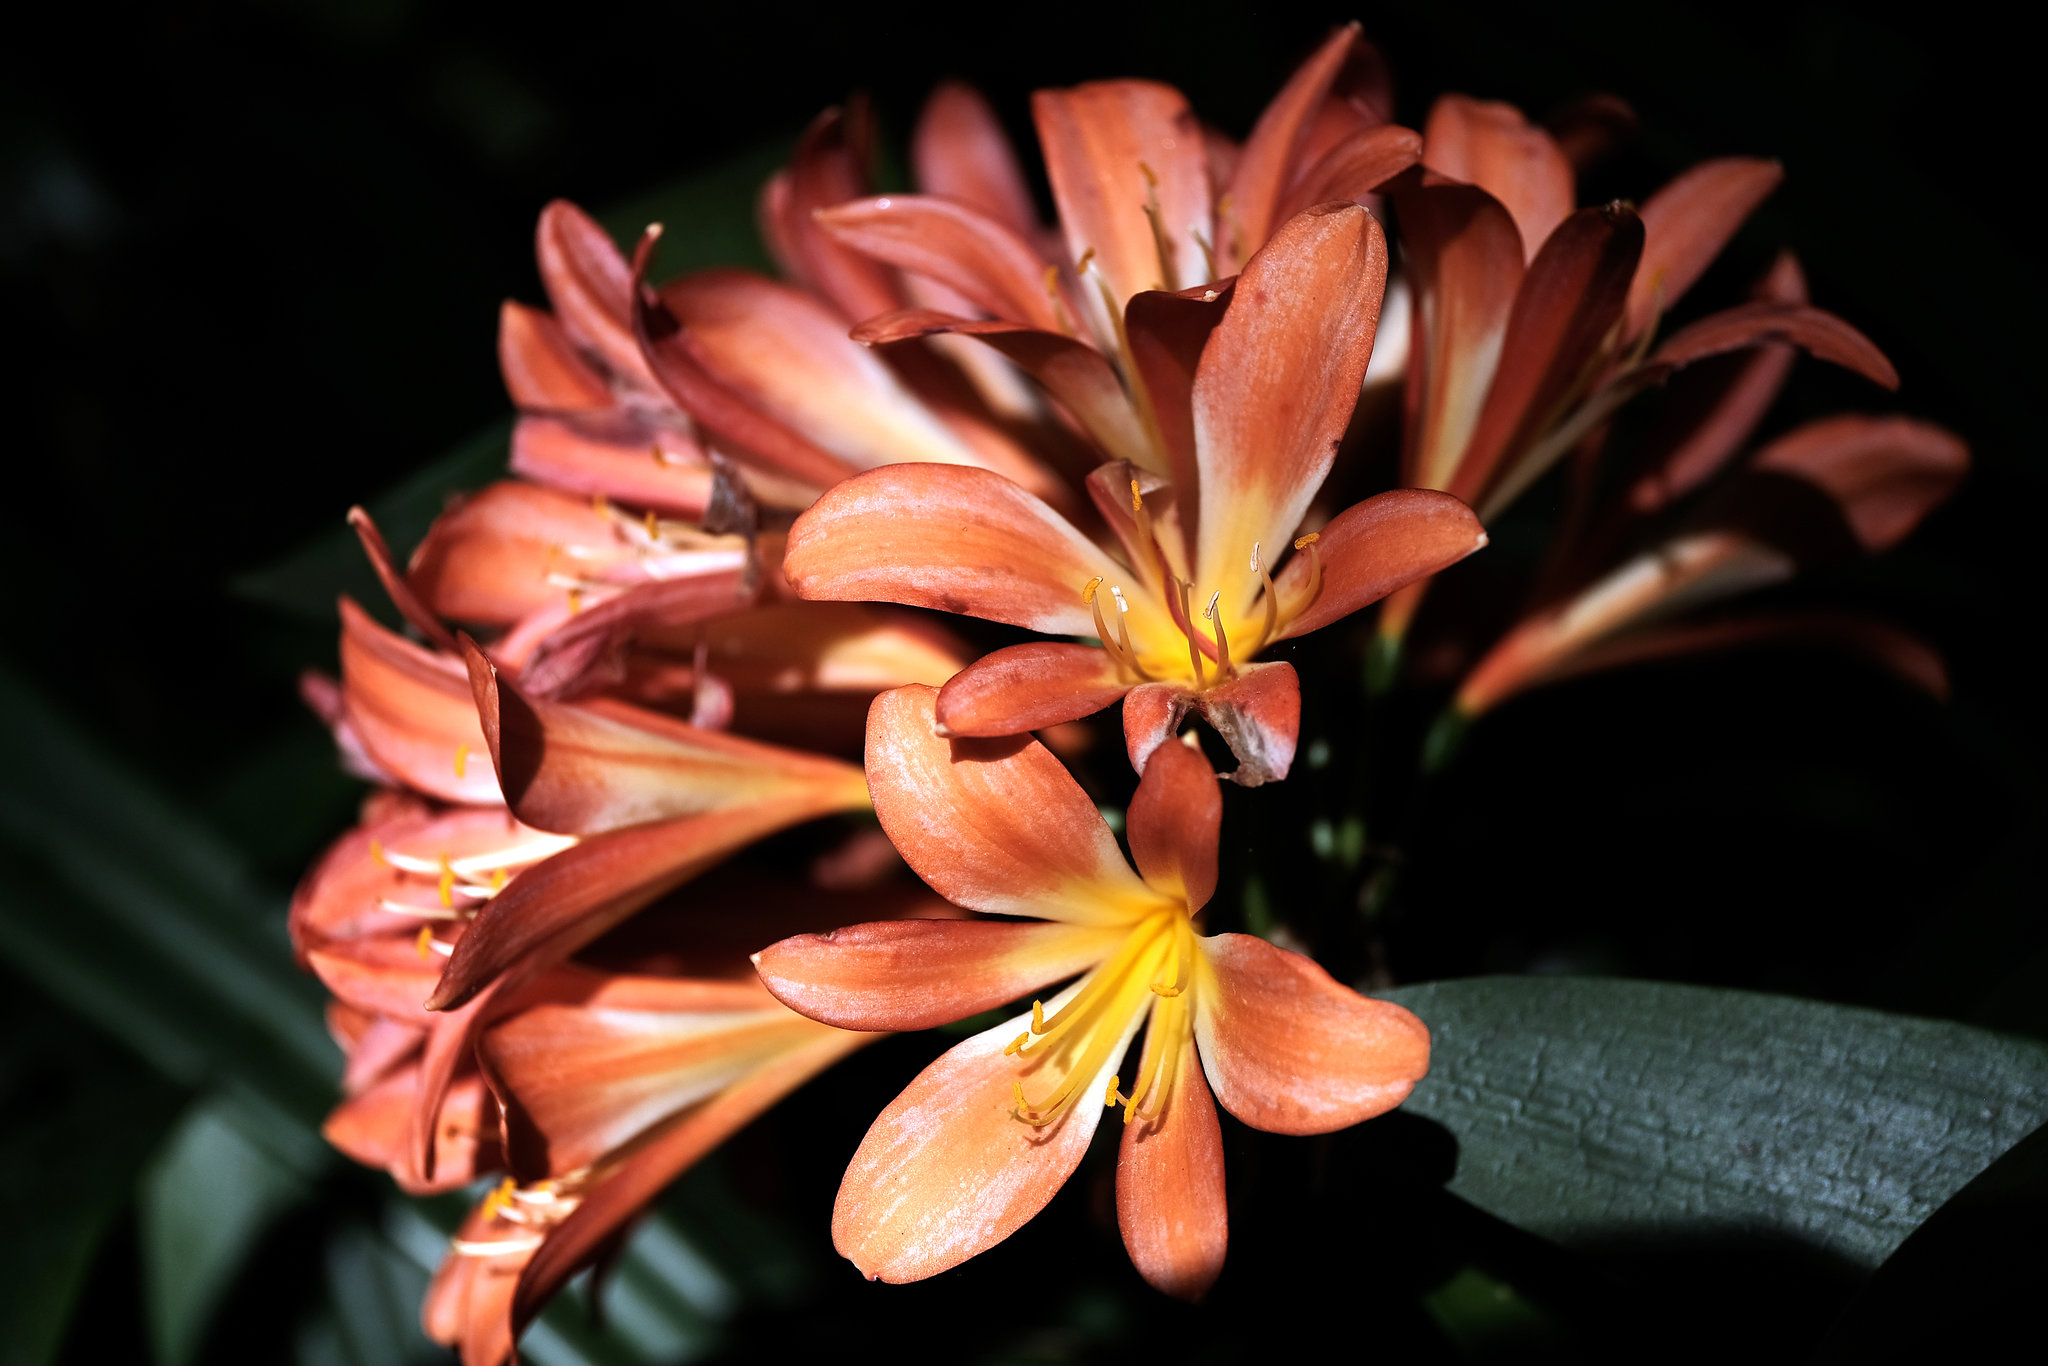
[250,261]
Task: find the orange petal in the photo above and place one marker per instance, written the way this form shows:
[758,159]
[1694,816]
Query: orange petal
[1489,144]
[1290,1050]
[488,559]
[541,367]
[628,1188]
[1686,224]
[587,769]
[583,1079]
[1570,299]
[1169,1188]
[1267,165]
[1713,411]
[1166,334]
[1028,687]
[386,977]
[789,356]
[413,712]
[628,455]
[1885,473]
[468,1304]
[1912,660]
[1466,259]
[1099,140]
[372,1128]
[590,286]
[951,538]
[1258,714]
[1276,386]
[1073,372]
[402,597]
[1173,822]
[987,263]
[1813,330]
[948,1171]
[994,825]
[1373,548]
[587,645]
[919,974]
[959,150]
[1356,167]
[382,1046]
[830,166]
[1152,716]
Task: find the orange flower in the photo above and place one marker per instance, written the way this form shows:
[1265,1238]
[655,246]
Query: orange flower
[1151,205]
[1533,322]
[1267,382]
[981,1140]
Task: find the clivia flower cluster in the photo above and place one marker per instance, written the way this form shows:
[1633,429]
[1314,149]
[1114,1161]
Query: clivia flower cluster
[707,612]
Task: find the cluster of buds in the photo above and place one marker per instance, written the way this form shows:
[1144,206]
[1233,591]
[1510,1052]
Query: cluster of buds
[740,508]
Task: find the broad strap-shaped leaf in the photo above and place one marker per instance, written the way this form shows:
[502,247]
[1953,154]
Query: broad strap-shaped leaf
[1592,1109]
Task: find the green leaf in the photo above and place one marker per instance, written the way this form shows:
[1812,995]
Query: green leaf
[1589,1110]
[207,1196]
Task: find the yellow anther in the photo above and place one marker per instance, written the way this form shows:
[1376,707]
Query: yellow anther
[1052,282]
[1315,567]
[1209,612]
[1038,1017]
[498,879]
[600,505]
[424,944]
[1021,1110]
[575,600]
[1151,176]
[1088,589]
[1304,542]
[1081,266]
[653,526]
[1168,992]
[447,883]
[377,853]
[654,449]
[1016,1044]
[461,760]
[1137,500]
[1110,1096]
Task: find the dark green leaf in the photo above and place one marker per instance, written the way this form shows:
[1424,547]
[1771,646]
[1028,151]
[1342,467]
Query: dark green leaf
[1590,1110]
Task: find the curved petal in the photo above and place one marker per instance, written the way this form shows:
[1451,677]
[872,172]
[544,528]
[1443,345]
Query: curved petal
[1374,548]
[589,644]
[1073,372]
[1885,473]
[1276,386]
[1466,259]
[959,150]
[489,559]
[1028,687]
[400,592]
[1813,330]
[413,712]
[385,977]
[831,165]
[1686,224]
[1152,716]
[994,825]
[556,907]
[1292,1051]
[590,286]
[1170,1202]
[951,538]
[540,364]
[1356,167]
[1489,144]
[582,1080]
[605,766]
[1164,337]
[988,264]
[1174,820]
[1904,655]
[1258,714]
[1267,165]
[948,1170]
[789,355]
[1570,299]
[1111,149]
[632,1185]
[627,455]
[919,974]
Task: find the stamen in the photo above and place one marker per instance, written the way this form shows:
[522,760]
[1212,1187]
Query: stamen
[1161,246]
[1315,567]
[447,885]
[1017,1043]
[1194,650]
[1088,589]
[1272,600]
[1208,258]
[1059,306]
[1081,266]
[1110,1097]
[653,526]
[1038,1017]
[498,879]
[1222,641]
[600,505]
[424,944]
[1123,633]
[575,601]
[461,760]
[499,1247]
[377,853]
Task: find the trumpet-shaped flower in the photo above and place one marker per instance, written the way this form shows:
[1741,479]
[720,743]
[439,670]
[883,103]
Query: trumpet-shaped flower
[1267,381]
[982,1139]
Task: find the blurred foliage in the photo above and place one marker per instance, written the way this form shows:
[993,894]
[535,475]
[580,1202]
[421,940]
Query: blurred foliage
[251,254]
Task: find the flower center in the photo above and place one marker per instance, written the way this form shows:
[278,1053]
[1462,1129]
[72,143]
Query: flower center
[524,1214]
[1150,972]
[1209,657]
[442,887]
